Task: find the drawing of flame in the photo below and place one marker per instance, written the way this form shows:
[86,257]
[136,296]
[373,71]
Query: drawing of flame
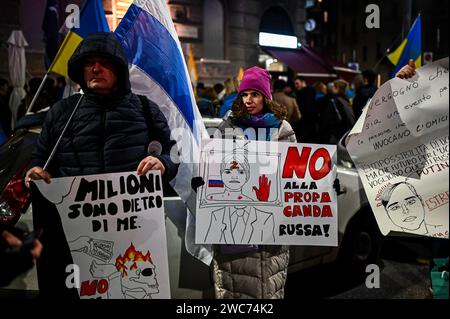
[131,255]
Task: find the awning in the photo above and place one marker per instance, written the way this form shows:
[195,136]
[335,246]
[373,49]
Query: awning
[302,62]
[340,68]
[308,63]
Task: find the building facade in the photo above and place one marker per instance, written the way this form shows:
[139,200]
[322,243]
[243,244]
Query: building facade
[341,30]
[222,34]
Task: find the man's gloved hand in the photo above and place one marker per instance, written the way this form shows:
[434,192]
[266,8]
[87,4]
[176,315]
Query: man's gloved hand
[196,182]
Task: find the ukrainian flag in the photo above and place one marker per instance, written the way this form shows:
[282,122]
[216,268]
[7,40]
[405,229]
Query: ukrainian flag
[92,19]
[410,48]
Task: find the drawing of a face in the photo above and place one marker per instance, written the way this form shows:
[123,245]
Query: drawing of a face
[405,208]
[141,277]
[234,172]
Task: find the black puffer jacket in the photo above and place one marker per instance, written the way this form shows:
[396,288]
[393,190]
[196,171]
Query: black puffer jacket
[108,133]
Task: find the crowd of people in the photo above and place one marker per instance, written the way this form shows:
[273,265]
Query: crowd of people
[318,112]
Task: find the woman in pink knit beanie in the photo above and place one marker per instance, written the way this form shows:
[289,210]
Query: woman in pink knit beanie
[250,271]
[254,109]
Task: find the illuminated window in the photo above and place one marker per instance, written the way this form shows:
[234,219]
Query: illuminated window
[115,11]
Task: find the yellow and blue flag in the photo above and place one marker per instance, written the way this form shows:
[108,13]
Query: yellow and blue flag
[410,48]
[92,19]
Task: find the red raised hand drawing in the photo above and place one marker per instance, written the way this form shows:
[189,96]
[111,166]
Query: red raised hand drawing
[264,189]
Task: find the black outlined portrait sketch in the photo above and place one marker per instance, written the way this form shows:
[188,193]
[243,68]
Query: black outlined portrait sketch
[234,173]
[243,186]
[405,208]
[240,224]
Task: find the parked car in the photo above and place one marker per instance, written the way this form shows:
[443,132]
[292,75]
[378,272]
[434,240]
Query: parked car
[359,237]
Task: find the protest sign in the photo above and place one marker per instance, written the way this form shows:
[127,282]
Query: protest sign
[106,233]
[266,193]
[400,148]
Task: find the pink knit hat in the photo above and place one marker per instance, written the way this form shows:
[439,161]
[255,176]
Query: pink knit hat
[256,79]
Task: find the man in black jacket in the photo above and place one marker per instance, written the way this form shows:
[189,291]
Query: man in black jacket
[112,128]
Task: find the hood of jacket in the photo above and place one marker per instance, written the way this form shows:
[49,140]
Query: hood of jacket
[104,44]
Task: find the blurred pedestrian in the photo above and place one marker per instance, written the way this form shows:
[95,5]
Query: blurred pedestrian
[5,111]
[364,93]
[333,119]
[219,88]
[43,100]
[279,96]
[340,91]
[305,95]
[289,89]
[207,101]
[229,97]
[60,86]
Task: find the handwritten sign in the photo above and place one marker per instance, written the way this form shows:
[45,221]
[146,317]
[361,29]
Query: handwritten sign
[400,148]
[267,193]
[115,230]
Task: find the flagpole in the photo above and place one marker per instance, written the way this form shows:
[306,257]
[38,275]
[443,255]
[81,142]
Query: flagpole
[37,93]
[62,133]
[388,50]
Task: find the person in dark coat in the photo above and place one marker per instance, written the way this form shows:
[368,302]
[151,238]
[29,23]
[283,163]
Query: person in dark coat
[305,129]
[110,131]
[332,120]
[18,253]
[5,112]
[364,93]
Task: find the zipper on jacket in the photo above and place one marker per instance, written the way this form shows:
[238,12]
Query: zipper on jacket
[103,140]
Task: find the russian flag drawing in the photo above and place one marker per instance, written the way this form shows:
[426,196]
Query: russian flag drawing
[158,70]
[215,183]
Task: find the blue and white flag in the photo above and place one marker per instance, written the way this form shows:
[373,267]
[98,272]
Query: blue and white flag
[158,70]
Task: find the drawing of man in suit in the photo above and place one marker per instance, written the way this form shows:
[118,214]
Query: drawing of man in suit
[240,224]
